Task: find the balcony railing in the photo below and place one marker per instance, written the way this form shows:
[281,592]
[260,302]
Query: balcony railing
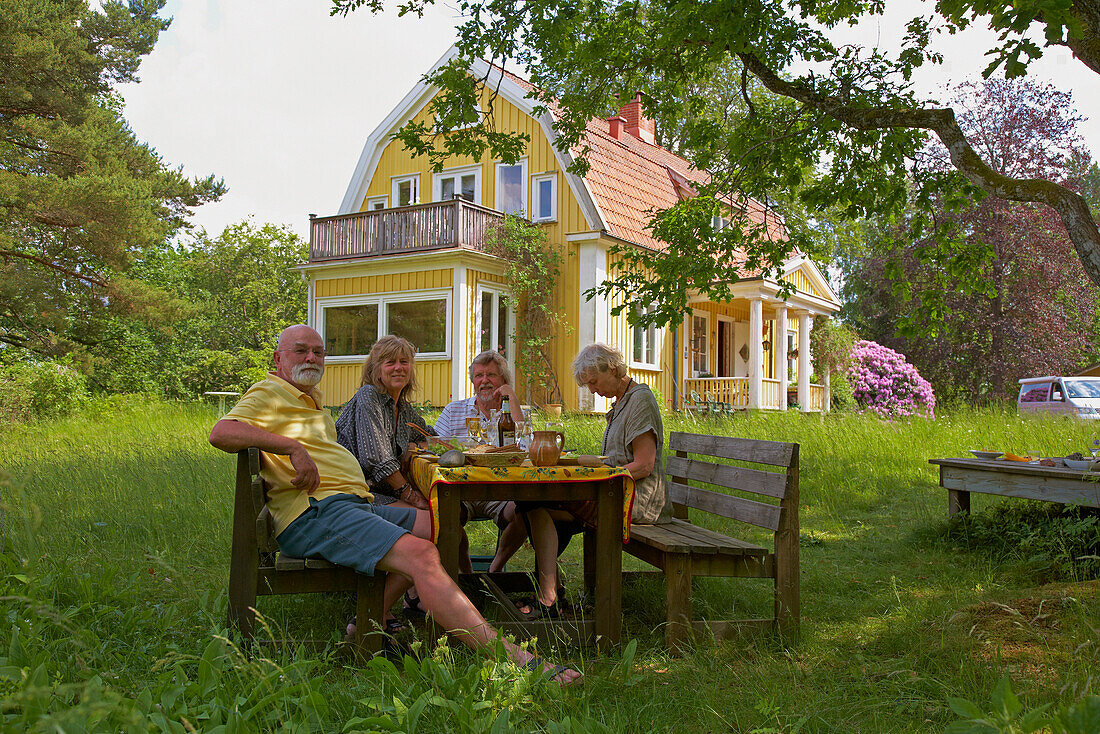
[434,226]
[735,391]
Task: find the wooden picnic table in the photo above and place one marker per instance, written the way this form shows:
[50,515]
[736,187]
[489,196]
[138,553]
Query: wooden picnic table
[611,488]
[1067,486]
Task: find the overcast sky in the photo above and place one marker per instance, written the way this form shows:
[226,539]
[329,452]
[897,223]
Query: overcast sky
[277,97]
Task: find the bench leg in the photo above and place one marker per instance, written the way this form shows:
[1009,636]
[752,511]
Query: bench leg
[678,599]
[368,610]
[243,580]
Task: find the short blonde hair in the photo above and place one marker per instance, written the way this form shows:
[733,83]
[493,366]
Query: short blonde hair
[598,358]
[490,356]
[387,348]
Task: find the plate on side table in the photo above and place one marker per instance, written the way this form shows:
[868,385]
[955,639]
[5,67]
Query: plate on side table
[986,454]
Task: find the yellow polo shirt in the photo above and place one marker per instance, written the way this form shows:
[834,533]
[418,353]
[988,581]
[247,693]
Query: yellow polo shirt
[278,407]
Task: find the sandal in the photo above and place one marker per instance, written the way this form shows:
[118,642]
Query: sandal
[391,627]
[536,664]
[412,608]
[538,610]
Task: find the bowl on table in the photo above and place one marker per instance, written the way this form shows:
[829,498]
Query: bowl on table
[463,443]
[986,454]
[1083,465]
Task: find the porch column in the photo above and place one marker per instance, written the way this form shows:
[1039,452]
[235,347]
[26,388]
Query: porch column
[804,361]
[779,350]
[756,351]
[826,404]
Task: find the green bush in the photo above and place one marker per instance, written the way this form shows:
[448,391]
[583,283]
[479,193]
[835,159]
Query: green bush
[47,389]
[841,396]
[1046,541]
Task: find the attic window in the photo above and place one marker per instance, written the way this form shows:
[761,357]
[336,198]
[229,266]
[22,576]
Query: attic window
[457,183]
[512,187]
[406,190]
[544,197]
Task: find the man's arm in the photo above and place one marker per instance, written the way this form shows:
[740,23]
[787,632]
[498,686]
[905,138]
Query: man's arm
[232,436]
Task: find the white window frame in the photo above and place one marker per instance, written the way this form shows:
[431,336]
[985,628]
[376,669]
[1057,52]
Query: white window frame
[396,182]
[372,200]
[651,332]
[536,179]
[383,300]
[498,204]
[705,315]
[510,327]
[457,174]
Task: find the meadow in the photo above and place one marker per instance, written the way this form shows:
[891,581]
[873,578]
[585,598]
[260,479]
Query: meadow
[114,548]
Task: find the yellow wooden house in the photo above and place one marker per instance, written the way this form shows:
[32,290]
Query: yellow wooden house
[404,255]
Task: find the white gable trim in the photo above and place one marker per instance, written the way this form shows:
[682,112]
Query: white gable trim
[419,97]
[813,273]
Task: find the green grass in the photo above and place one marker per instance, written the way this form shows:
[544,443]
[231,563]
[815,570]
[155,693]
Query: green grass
[115,538]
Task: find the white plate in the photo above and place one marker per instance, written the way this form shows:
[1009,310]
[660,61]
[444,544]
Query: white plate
[1078,465]
[986,454]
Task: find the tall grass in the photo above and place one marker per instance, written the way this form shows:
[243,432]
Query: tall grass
[115,560]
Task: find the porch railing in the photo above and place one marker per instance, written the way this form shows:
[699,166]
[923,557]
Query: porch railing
[735,391]
[434,226]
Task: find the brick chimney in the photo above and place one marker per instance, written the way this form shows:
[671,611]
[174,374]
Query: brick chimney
[616,125]
[637,124]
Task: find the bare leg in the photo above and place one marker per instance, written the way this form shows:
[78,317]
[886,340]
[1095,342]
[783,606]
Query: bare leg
[419,560]
[511,539]
[544,537]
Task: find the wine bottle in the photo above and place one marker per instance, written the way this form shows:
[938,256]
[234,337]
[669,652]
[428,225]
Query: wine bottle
[506,427]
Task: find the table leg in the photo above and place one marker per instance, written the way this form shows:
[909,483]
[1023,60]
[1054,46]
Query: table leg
[957,501]
[609,562]
[449,529]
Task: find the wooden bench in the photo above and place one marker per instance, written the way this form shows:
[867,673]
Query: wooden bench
[683,550]
[257,568]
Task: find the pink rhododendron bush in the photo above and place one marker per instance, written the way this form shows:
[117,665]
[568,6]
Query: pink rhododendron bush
[883,382]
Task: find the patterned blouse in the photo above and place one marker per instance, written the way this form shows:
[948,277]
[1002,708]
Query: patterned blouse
[366,427]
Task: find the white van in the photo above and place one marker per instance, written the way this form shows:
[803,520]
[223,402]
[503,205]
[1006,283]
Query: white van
[1070,396]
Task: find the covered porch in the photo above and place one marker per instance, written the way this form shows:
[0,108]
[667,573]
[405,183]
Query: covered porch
[753,351]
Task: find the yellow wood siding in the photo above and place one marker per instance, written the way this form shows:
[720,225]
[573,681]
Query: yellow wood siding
[799,280]
[416,280]
[434,377]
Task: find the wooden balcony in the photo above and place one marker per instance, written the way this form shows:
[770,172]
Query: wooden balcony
[421,227]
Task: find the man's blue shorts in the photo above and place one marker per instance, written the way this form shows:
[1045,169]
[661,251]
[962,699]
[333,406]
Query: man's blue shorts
[346,530]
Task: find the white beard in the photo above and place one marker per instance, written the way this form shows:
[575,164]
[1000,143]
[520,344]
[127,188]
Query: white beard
[307,374]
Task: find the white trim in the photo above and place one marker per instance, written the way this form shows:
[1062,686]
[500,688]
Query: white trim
[705,315]
[318,306]
[756,352]
[457,172]
[508,340]
[459,332]
[536,179]
[371,200]
[813,274]
[804,368]
[583,236]
[657,338]
[395,187]
[524,184]
[403,263]
[779,353]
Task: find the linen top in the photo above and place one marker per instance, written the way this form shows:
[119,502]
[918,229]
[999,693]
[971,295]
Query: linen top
[276,406]
[632,415]
[452,421]
[367,428]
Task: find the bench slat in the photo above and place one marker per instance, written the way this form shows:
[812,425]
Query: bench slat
[683,537]
[775,453]
[724,543]
[758,481]
[735,508]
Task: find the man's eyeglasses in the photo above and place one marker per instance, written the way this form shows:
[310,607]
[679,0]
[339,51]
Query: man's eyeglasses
[303,351]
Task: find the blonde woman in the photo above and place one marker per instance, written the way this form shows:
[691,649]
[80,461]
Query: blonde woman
[373,424]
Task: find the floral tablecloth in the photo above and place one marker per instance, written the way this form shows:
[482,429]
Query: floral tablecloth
[428,473]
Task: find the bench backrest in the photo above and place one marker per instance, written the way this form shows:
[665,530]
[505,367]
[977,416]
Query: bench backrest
[680,469]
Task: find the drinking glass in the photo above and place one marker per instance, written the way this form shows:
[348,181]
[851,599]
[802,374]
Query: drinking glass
[1034,455]
[473,427]
[1095,450]
[489,428]
[524,434]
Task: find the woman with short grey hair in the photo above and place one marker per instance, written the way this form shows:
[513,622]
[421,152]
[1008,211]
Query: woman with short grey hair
[633,440]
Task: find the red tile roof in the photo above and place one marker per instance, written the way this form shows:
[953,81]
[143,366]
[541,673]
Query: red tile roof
[631,179]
